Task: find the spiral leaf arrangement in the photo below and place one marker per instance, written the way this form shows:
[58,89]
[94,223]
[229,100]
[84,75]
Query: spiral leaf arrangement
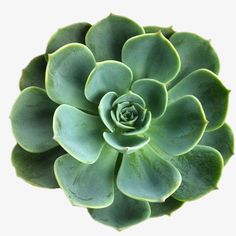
[128,121]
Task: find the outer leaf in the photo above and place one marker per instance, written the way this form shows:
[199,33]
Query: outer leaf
[88,185]
[154,94]
[144,175]
[125,144]
[70,34]
[180,128]
[166,31]
[34,73]
[106,77]
[79,133]
[104,110]
[195,53]
[212,94]
[66,75]
[107,37]
[122,213]
[31,119]
[222,140]
[36,168]
[165,208]
[200,170]
[151,56]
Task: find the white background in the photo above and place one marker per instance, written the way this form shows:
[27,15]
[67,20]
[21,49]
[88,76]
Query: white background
[25,27]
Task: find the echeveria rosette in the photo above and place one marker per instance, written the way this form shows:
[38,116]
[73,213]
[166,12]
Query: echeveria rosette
[128,121]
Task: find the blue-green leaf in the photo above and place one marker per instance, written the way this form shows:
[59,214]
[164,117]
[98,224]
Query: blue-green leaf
[125,144]
[166,31]
[195,53]
[79,133]
[70,34]
[36,168]
[88,185]
[34,73]
[180,128]
[144,175]
[154,94]
[200,170]
[165,208]
[212,94]
[31,119]
[151,56]
[108,76]
[106,38]
[67,71]
[222,140]
[104,110]
[122,213]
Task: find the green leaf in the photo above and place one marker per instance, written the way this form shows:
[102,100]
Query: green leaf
[108,76]
[130,97]
[180,128]
[34,73]
[200,170]
[125,144]
[166,31]
[88,185]
[195,53]
[104,110]
[122,213]
[222,140]
[36,168]
[154,94]
[143,127]
[106,38]
[120,125]
[151,56]
[70,34]
[67,71]
[165,208]
[79,133]
[144,175]
[31,120]
[212,94]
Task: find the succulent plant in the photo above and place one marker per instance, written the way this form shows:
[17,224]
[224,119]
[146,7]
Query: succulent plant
[128,121]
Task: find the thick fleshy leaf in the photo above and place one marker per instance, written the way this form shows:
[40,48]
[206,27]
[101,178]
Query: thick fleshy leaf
[144,175]
[88,185]
[125,144]
[36,168]
[165,208]
[151,56]
[180,128]
[67,71]
[119,125]
[79,133]
[31,119]
[195,53]
[34,73]
[154,94]
[70,34]
[108,76]
[130,97]
[212,94]
[222,140]
[200,170]
[104,110]
[122,213]
[106,38]
[166,31]
[143,128]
